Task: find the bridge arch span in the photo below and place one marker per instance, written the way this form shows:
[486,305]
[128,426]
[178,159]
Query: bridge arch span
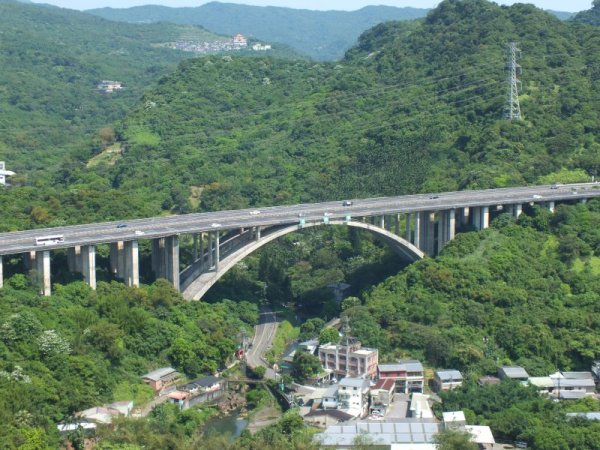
[205,280]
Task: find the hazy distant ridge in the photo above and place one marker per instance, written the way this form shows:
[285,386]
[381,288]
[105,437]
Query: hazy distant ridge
[323,35]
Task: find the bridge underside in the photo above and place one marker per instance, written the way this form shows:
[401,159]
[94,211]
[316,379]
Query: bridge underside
[196,282]
[216,252]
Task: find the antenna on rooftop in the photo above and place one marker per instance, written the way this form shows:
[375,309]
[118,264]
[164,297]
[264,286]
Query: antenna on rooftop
[513,109]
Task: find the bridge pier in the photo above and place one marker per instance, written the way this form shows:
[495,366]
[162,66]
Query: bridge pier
[446,228]
[88,260]
[551,206]
[42,261]
[1,273]
[132,264]
[117,259]
[74,259]
[165,259]
[481,217]
[427,232]
[417,231]
[407,233]
[217,251]
[517,210]
[464,215]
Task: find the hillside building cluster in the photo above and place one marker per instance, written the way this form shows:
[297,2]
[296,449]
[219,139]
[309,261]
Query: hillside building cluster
[236,43]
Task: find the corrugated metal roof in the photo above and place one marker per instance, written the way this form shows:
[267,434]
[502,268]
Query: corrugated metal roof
[409,365]
[157,374]
[449,375]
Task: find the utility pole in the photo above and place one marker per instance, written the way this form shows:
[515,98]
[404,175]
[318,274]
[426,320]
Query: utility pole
[513,110]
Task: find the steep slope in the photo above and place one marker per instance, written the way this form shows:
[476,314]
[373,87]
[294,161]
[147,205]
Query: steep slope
[322,35]
[406,111]
[52,60]
[591,16]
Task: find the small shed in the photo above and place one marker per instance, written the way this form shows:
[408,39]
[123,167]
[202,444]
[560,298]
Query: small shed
[513,373]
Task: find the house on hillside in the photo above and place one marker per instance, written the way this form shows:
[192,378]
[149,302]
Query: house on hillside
[109,86]
[349,359]
[201,390]
[516,373]
[353,396]
[409,375]
[240,41]
[160,378]
[448,379]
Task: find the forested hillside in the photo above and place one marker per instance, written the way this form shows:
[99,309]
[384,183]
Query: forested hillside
[591,16]
[414,107]
[322,35]
[52,60]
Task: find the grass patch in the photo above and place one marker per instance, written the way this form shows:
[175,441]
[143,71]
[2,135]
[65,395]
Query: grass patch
[286,333]
[109,156]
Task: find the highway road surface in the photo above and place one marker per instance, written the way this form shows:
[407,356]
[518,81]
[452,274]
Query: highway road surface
[264,333]
[127,230]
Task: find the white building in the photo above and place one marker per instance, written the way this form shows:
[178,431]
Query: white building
[353,396]
[349,360]
[4,173]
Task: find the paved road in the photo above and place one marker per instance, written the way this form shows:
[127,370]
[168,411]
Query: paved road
[264,333]
[23,241]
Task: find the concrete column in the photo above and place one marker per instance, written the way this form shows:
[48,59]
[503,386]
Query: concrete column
[29,260]
[217,251]
[397,224]
[476,217]
[465,215]
[210,251]
[451,217]
[551,206]
[172,260]
[417,232]
[427,237]
[485,217]
[583,200]
[43,272]
[408,218]
[117,259]
[88,260]
[517,210]
[258,233]
[441,231]
[132,264]
[201,251]
[74,261]
[195,250]
[1,273]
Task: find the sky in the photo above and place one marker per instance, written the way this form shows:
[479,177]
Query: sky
[347,5]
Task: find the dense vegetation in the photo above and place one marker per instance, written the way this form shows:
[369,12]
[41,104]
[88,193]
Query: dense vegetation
[413,107]
[525,293]
[591,16]
[322,35]
[83,348]
[52,60]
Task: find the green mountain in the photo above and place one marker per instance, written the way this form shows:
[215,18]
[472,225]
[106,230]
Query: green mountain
[322,35]
[52,61]
[591,16]
[414,107]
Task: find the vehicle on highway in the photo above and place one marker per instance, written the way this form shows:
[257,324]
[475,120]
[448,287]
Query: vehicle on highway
[347,203]
[300,214]
[555,186]
[433,197]
[50,240]
[255,212]
[215,225]
[139,232]
[537,196]
[122,225]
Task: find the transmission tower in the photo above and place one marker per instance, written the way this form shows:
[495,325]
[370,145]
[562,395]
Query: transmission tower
[513,110]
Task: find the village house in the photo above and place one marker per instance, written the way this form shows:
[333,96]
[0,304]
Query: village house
[353,396]
[160,378]
[447,379]
[409,375]
[201,390]
[516,373]
[108,86]
[239,40]
[382,395]
[349,359]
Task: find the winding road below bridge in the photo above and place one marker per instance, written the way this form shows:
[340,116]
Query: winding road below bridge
[264,333]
